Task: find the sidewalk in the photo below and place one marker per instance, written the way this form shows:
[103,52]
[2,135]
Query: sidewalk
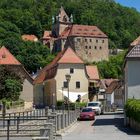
[116,112]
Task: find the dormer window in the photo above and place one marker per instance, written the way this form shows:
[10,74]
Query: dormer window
[3,56]
[65,18]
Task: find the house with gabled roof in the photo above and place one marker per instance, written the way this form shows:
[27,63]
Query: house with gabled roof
[51,86]
[135,42]
[131,73]
[31,38]
[89,42]
[94,80]
[9,61]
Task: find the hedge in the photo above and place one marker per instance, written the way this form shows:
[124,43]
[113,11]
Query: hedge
[72,105]
[132,109]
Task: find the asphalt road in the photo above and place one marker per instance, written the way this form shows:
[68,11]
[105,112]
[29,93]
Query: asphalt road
[105,127]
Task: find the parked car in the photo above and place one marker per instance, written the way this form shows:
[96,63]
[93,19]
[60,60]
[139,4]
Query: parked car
[87,114]
[96,106]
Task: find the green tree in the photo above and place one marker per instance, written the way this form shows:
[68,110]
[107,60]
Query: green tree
[113,67]
[10,84]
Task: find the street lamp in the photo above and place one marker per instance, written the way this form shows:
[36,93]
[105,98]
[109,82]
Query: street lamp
[68,77]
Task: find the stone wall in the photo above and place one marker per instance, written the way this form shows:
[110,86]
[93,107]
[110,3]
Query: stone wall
[89,49]
[133,124]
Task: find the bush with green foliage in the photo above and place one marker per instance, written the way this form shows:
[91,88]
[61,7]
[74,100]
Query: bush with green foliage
[132,109]
[60,103]
[113,67]
[10,84]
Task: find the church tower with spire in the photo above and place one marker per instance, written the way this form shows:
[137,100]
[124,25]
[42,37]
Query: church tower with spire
[62,21]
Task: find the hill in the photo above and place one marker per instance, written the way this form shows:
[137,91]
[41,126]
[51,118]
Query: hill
[18,17]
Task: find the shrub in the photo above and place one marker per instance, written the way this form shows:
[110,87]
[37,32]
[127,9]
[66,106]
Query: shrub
[60,103]
[132,109]
[81,104]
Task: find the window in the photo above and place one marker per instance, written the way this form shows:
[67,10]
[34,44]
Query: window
[100,47]
[78,84]
[71,70]
[78,39]
[90,40]
[96,41]
[89,47]
[95,47]
[86,47]
[85,40]
[65,84]
[103,41]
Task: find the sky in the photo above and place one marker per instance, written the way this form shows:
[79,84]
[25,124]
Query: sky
[130,3]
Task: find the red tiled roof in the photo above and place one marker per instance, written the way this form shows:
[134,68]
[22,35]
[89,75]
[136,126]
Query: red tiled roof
[47,35]
[66,32]
[48,72]
[113,85]
[106,82]
[6,58]
[86,30]
[92,72]
[29,37]
[134,52]
[136,42]
[70,57]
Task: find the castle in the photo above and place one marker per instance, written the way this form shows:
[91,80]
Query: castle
[89,42]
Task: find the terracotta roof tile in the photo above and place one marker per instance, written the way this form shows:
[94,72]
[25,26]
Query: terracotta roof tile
[92,72]
[66,32]
[70,57]
[29,38]
[6,58]
[113,85]
[106,82]
[86,30]
[48,72]
[47,35]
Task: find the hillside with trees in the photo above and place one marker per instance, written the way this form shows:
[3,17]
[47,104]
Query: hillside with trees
[18,17]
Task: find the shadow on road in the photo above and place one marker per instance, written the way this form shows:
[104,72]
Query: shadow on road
[117,122]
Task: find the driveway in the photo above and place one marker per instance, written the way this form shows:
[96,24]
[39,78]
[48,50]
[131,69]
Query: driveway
[105,127]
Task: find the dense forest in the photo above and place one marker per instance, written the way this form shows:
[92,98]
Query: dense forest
[18,17]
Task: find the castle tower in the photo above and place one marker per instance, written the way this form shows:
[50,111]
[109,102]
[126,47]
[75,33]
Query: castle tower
[62,21]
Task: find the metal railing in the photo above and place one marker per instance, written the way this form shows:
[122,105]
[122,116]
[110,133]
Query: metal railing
[35,123]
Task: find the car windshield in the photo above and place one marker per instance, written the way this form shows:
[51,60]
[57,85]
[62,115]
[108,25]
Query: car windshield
[93,104]
[87,110]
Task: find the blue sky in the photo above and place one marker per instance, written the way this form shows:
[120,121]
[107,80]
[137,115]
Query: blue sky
[130,3]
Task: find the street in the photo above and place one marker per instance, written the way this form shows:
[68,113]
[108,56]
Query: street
[106,127]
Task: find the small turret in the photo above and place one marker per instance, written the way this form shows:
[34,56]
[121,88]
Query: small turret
[71,18]
[53,19]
